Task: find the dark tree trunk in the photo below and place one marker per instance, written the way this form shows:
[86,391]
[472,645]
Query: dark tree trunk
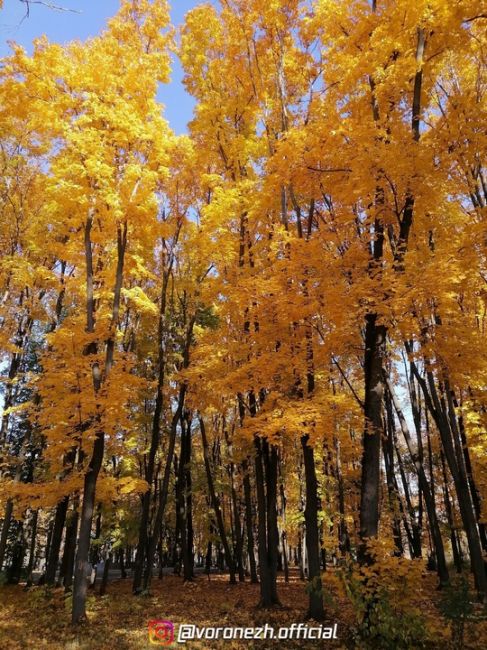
[155,440]
[70,547]
[106,570]
[123,571]
[57,533]
[265,579]
[284,545]
[316,610]
[455,460]
[428,496]
[161,560]
[238,539]
[300,556]
[33,534]
[457,559]
[91,476]
[375,336]
[473,487]
[86,519]
[388,453]
[343,536]
[216,504]
[183,500]
[270,461]
[285,556]
[7,518]
[14,571]
[161,506]
[249,523]
[409,519]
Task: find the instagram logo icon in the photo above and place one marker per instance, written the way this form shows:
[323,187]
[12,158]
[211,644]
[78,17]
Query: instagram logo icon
[161,632]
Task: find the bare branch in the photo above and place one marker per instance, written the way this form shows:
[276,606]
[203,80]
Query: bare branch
[47,4]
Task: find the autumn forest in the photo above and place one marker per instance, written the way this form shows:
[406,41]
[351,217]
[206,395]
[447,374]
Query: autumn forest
[243,370]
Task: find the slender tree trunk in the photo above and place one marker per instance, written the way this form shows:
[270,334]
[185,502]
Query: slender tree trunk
[7,518]
[86,519]
[91,476]
[316,610]
[57,533]
[70,547]
[249,523]
[182,501]
[121,559]
[270,461]
[300,555]
[153,540]
[343,536]
[476,500]
[238,542]
[388,454]
[155,439]
[106,570]
[284,545]
[215,502]
[375,336]
[442,421]
[33,534]
[265,579]
[14,571]
[152,544]
[425,487]
[449,514]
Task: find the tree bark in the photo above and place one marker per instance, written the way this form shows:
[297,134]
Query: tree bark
[91,476]
[215,502]
[316,610]
[33,535]
[57,533]
[249,523]
[425,487]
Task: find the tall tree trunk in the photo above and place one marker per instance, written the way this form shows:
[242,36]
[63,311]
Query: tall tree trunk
[57,533]
[265,578]
[249,522]
[477,504]
[91,476]
[316,610]
[155,437]
[285,551]
[238,539]
[270,461]
[215,502]
[457,559]
[425,487]
[343,536]
[442,421]
[7,518]
[14,571]
[70,546]
[121,559]
[33,535]
[106,572]
[182,501]
[154,538]
[375,335]
[388,454]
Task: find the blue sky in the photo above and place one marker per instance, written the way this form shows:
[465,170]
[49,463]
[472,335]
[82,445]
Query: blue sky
[64,26]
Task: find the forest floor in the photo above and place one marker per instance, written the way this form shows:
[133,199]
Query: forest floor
[40,618]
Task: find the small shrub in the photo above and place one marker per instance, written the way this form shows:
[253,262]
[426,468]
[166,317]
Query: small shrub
[382,598]
[456,606]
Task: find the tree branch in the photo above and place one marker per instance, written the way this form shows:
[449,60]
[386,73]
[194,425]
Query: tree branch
[47,4]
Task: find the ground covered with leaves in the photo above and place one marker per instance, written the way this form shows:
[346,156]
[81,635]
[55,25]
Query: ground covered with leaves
[40,618]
